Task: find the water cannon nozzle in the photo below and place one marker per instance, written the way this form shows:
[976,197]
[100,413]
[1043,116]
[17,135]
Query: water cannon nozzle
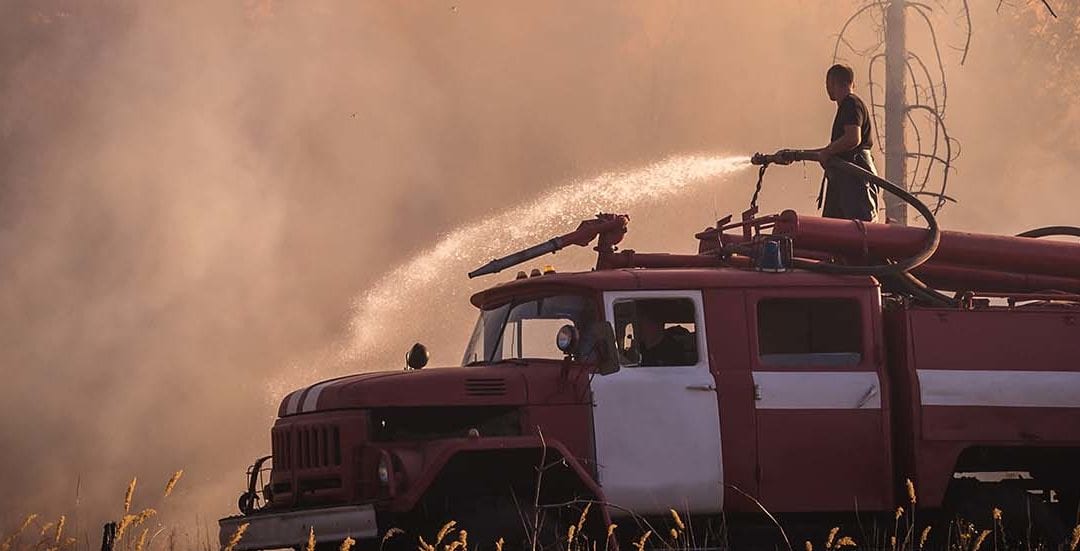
[782,157]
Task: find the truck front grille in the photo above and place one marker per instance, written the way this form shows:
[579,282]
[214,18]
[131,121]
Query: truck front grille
[307,447]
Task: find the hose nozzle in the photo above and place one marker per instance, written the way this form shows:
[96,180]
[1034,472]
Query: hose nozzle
[760,159]
[782,157]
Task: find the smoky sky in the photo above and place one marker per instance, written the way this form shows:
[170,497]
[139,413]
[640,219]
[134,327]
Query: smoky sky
[193,193]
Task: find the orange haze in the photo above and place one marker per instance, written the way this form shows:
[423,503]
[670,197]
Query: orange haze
[192,194]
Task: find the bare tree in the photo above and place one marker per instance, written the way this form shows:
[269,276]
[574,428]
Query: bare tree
[924,109]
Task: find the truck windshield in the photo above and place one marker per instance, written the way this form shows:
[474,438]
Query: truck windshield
[527,329]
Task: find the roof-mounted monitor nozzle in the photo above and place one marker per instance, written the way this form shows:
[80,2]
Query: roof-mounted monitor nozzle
[610,228]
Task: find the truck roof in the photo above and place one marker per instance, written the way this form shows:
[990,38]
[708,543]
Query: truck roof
[663,278]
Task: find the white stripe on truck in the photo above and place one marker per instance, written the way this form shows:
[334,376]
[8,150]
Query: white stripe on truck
[817,390]
[311,400]
[293,402]
[1030,389]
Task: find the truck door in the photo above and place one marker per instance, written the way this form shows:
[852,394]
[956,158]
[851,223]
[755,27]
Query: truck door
[822,430]
[656,421]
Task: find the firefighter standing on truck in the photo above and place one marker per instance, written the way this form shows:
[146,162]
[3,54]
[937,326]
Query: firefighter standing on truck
[848,196]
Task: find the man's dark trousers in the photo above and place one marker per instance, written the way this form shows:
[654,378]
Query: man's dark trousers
[850,196]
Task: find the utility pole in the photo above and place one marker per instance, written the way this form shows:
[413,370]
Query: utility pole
[896,107]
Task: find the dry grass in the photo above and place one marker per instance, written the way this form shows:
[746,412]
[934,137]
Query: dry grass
[982,538]
[141,542]
[640,543]
[237,535]
[129,495]
[171,484]
[678,521]
[444,531]
[424,546]
[52,535]
[133,521]
[832,537]
[37,534]
[924,536]
[60,529]
[389,535]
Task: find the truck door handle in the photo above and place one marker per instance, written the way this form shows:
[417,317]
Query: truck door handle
[709,388]
[870,393]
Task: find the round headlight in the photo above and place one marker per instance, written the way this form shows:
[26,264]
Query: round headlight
[567,338]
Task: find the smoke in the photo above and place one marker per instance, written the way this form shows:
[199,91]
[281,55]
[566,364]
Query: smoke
[193,194]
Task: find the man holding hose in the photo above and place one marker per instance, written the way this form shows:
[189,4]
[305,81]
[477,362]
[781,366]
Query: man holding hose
[848,196]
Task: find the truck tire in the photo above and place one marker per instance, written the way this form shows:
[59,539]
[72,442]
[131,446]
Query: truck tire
[1025,518]
[489,518]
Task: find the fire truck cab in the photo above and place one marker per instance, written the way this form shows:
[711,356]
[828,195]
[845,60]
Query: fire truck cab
[697,383]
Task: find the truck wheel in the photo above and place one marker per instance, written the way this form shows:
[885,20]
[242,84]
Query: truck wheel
[1025,518]
[489,518]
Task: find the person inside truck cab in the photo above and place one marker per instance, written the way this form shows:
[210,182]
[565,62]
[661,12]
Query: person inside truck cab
[658,345]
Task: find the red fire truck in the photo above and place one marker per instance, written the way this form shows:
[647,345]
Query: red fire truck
[812,364]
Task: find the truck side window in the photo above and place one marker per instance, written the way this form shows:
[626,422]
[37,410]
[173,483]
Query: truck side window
[656,332]
[800,331]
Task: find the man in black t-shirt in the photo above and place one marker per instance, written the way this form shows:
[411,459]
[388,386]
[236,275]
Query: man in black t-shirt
[852,138]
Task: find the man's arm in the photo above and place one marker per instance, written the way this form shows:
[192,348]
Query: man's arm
[851,139]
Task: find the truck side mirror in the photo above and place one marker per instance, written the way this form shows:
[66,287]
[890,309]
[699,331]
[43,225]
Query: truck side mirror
[417,357]
[607,360]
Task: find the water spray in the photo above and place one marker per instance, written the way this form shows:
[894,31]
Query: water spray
[384,316]
[608,227]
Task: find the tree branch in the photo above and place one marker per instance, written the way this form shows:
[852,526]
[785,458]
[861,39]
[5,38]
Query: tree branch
[933,103]
[840,37]
[948,149]
[938,195]
[920,155]
[918,147]
[922,10]
[967,41]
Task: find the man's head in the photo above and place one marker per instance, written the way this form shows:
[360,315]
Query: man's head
[839,81]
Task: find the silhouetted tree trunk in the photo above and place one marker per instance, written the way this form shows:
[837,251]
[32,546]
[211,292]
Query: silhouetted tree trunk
[896,107]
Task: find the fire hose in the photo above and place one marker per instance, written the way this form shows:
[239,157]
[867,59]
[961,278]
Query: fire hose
[898,271]
[1050,231]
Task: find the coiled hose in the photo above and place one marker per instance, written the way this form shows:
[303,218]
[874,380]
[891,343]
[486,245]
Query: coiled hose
[894,272]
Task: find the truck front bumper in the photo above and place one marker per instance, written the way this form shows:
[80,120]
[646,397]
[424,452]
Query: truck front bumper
[272,530]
